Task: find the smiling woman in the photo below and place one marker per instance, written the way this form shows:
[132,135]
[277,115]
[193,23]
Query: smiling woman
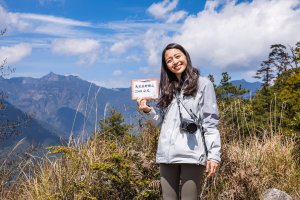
[176,62]
[188,117]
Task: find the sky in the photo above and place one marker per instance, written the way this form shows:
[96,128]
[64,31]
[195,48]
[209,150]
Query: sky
[110,43]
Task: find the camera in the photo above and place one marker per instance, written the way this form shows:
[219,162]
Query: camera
[188,126]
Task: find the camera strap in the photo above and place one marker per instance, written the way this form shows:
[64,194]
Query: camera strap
[192,115]
[180,114]
[196,120]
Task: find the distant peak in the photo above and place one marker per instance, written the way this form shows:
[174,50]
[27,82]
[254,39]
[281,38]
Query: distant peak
[51,74]
[239,81]
[76,76]
[51,77]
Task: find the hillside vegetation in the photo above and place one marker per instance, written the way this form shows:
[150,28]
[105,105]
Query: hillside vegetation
[260,138]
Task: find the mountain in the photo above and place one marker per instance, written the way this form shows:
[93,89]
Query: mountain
[252,87]
[33,131]
[66,103]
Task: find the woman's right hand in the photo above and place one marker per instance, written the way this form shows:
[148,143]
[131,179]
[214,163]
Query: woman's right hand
[142,105]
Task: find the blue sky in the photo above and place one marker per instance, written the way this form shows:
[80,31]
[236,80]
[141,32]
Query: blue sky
[112,42]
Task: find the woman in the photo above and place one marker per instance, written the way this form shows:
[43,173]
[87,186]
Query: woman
[188,115]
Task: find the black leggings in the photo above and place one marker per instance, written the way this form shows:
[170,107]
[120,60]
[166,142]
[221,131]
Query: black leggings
[191,177]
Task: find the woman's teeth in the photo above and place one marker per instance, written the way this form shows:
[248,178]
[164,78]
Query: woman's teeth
[177,67]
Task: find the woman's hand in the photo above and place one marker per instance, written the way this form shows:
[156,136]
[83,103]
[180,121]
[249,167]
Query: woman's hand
[142,105]
[211,167]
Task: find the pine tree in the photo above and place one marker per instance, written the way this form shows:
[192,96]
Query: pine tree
[284,88]
[290,95]
[296,55]
[265,73]
[280,58]
[114,124]
[226,90]
[212,79]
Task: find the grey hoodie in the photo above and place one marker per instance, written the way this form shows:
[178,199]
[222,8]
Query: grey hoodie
[177,146]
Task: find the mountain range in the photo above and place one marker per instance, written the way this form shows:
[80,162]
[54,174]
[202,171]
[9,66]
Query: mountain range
[251,87]
[61,106]
[27,127]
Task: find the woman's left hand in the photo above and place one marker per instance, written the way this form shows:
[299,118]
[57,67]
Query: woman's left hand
[211,167]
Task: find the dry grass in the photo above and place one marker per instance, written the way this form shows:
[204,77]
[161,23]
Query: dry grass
[250,167]
[105,167]
[254,158]
[109,167]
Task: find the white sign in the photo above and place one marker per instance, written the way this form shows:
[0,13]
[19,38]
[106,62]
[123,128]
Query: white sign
[146,88]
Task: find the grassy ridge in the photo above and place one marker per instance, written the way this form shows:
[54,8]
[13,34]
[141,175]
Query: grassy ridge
[123,167]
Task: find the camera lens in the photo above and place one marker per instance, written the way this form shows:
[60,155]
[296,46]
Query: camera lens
[191,128]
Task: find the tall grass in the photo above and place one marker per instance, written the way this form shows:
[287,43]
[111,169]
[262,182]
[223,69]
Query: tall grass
[254,165]
[105,167]
[255,156]
[113,167]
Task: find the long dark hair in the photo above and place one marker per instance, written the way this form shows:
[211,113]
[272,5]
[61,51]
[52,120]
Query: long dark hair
[170,85]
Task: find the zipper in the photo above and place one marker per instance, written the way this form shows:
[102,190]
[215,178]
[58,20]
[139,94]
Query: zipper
[171,135]
[170,141]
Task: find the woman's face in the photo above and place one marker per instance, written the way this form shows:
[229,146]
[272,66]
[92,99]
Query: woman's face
[176,61]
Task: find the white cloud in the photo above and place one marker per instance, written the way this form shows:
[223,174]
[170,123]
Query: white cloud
[114,83]
[149,70]
[153,42]
[117,72]
[225,36]
[51,19]
[12,20]
[133,58]
[164,10]
[160,10]
[15,53]
[37,23]
[86,49]
[238,36]
[176,16]
[75,46]
[121,46]
[60,31]
[213,5]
